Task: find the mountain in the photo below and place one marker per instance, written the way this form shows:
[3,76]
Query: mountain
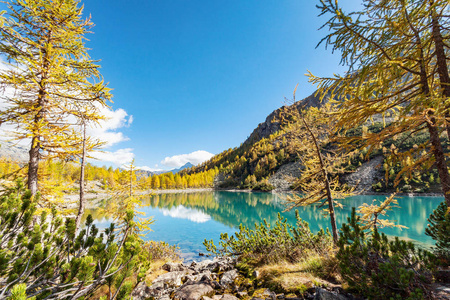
[13,151]
[268,159]
[273,122]
[186,166]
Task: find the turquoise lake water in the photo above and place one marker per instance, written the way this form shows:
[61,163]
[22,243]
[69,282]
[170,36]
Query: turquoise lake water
[186,219]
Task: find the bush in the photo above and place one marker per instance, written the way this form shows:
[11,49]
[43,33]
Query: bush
[263,186]
[382,269]
[439,230]
[271,244]
[43,257]
[161,250]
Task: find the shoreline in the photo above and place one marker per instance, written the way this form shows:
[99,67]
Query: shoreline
[195,190]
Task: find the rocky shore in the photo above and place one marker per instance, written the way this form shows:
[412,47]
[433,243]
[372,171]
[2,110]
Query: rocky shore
[219,279]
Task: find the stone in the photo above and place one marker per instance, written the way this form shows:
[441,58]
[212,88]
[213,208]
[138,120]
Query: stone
[171,267]
[206,298]
[229,297]
[265,294]
[142,291]
[242,294]
[322,294]
[193,291]
[228,277]
[171,279]
[441,291]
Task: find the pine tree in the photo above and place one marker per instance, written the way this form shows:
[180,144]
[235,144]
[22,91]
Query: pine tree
[51,75]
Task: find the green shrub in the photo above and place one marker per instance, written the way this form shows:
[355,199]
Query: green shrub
[161,250]
[43,256]
[439,230]
[382,269]
[275,243]
[263,186]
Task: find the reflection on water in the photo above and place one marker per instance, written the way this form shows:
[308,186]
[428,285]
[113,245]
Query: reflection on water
[187,219]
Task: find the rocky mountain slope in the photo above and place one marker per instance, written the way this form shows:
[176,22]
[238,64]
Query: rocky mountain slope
[268,160]
[273,122]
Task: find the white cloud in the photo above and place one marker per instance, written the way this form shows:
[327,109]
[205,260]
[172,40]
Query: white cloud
[195,158]
[106,130]
[119,157]
[145,168]
[181,212]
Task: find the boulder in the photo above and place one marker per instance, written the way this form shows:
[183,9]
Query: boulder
[171,267]
[142,291]
[171,279]
[193,291]
[322,294]
[229,297]
[228,277]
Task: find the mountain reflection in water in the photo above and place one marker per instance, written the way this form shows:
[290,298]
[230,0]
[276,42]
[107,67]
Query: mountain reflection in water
[187,219]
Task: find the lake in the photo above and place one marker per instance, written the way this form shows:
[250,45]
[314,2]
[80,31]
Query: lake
[186,219]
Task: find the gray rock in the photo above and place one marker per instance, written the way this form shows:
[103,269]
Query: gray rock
[206,298]
[171,267]
[229,297]
[228,277]
[142,291]
[322,294]
[242,294]
[170,279]
[193,291]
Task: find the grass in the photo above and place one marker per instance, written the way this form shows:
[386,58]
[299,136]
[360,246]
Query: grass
[295,278]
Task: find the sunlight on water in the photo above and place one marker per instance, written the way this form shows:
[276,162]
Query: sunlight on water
[186,219]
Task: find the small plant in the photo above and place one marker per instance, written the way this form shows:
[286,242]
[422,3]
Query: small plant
[161,250]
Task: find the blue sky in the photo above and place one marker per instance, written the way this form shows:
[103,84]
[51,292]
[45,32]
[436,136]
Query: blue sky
[200,75]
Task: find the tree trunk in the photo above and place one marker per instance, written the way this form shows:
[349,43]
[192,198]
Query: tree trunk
[438,153]
[437,149]
[82,180]
[441,61]
[327,184]
[33,166]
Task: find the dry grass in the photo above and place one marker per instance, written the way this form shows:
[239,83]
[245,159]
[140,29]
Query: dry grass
[298,277]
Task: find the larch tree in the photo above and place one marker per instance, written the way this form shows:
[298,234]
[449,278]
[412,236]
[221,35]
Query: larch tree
[397,60]
[311,133]
[49,73]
